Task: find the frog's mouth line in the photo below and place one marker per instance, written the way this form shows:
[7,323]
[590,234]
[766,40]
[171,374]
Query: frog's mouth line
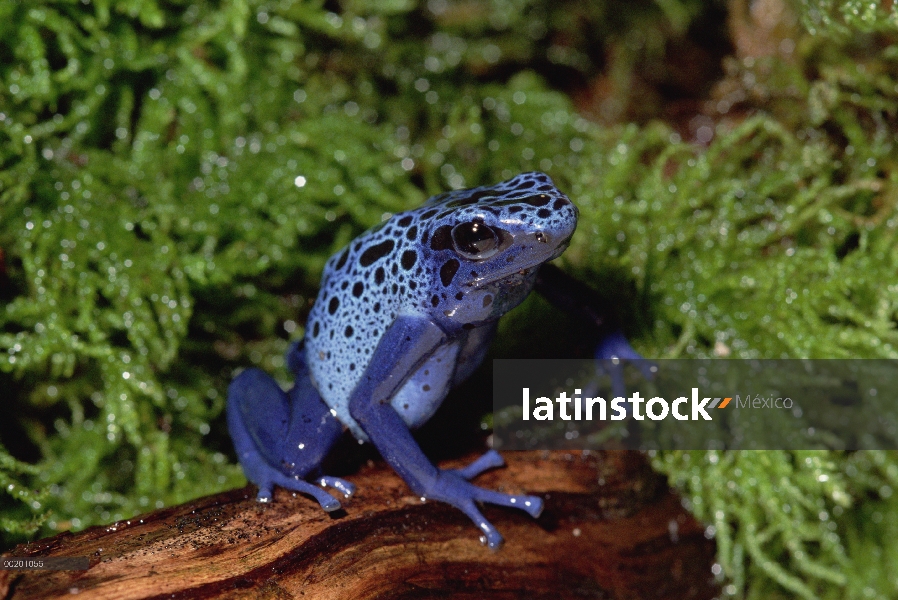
[514,276]
[510,273]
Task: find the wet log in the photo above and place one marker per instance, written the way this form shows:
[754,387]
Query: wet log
[610,529]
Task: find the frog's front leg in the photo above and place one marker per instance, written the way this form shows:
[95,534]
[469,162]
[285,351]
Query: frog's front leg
[404,347]
[281,438]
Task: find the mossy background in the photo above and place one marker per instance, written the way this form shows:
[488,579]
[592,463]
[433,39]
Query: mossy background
[174,174]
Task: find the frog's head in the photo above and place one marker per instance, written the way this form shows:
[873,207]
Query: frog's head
[481,248]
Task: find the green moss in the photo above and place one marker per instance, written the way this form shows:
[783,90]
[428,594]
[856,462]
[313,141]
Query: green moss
[790,524]
[174,175]
[847,18]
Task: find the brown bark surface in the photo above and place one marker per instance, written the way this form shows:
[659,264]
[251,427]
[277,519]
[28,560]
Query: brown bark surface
[610,529]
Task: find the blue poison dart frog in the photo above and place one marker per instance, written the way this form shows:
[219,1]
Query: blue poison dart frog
[406,312]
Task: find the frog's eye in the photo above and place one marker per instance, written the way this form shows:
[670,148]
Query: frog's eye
[474,240]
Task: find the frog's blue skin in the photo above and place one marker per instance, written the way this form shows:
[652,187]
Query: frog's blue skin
[405,312]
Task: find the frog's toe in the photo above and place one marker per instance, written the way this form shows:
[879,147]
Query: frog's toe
[532,505]
[327,502]
[491,536]
[330,504]
[489,460]
[341,485]
[264,494]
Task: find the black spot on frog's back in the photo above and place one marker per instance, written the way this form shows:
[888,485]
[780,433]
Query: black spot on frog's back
[409,258]
[376,252]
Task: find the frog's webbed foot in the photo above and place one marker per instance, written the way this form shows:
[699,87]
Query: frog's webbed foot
[611,354]
[296,484]
[316,489]
[451,486]
[266,477]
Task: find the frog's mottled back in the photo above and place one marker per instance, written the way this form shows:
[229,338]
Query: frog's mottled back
[462,260]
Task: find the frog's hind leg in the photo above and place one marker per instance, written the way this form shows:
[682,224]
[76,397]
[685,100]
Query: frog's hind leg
[281,438]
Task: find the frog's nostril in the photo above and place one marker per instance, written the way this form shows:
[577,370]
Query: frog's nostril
[541,237]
